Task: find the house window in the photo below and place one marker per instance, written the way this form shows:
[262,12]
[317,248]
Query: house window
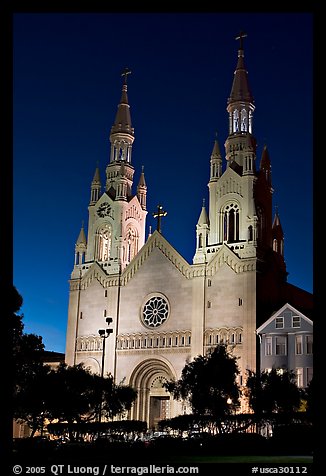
[298,345]
[296,321]
[279,322]
[209,304]
[299,375]
[280,345]
[240,338]
[240,301]
[309,345]
[268,346]
[209,282]
[310,374]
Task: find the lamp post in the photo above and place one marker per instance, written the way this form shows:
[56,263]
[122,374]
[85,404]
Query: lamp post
[104,334]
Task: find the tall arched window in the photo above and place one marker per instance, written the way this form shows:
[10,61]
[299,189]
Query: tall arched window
[231,223]
[236,120]
[250,233]
[104,241]
[131,244]
[244,121]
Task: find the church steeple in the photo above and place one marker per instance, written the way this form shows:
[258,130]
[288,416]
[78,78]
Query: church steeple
[240,106]
[240,91]
[142,190]
[265,166]
[96,186]
[119,172]
[80,247]
[216,162]
[278,235]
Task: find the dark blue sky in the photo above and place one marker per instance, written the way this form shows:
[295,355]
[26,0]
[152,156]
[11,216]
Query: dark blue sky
[67,85]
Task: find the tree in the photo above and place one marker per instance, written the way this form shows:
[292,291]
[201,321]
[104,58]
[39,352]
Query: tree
[209,384]
[76,396]
[27,368]
[273,392]
[117,399]
[31,400]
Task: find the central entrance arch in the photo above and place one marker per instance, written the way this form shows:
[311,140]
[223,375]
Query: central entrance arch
[153,402]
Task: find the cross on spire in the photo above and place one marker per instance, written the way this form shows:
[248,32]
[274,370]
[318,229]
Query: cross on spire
[240,37]
[125,73]
[159,214]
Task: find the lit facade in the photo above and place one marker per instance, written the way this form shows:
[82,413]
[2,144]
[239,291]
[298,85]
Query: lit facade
[165,310]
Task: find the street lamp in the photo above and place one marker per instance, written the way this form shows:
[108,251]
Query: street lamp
[104,334]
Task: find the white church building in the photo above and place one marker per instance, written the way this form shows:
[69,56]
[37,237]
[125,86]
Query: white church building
[166,311]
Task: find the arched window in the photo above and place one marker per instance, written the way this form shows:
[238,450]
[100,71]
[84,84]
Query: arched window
[236,120]
[231,223]
[275,245]
[244,123]
[131,244]
[250,234]
[200,241]
[104,241]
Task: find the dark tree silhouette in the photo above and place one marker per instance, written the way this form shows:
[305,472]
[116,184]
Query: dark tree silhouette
[273,392]
[209,384]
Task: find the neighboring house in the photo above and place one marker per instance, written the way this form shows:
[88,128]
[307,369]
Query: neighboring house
[286,342]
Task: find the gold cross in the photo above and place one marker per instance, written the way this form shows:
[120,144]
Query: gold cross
[160,213]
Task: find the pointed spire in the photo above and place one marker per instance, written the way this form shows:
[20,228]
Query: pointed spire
[216,154]
[277,234]
[142,189]
[82,237]
[122,121]
[265,165]
[95,186]
[203,218]
[265,162]
[277,222]
[80,247]
[216,162]
[240,88]
[142,182]
[96,178]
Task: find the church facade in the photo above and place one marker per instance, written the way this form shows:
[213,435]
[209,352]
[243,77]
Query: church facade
[164,310]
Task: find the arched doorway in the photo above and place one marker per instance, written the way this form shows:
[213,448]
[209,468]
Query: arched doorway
[154,402]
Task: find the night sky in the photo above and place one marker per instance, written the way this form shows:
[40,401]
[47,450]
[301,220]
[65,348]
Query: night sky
[66,89]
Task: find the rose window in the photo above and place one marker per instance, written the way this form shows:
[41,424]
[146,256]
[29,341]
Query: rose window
[155,311]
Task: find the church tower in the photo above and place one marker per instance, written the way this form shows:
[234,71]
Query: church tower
[116,221]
